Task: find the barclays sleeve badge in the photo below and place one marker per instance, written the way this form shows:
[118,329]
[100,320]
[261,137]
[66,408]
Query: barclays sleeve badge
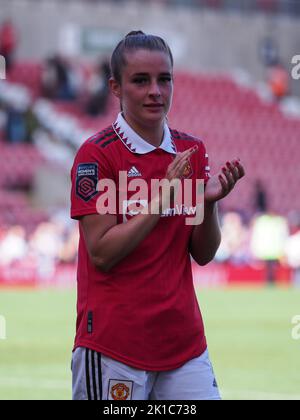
[86,180]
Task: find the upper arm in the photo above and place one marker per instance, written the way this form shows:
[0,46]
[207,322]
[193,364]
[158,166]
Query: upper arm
[90,165]
[94,227]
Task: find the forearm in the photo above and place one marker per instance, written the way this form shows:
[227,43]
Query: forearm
[108,243]
[206,238]
[120,240]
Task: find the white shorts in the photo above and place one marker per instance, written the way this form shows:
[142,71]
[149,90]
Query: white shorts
[98,377]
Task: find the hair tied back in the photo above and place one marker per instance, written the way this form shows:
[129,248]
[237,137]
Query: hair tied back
[134,33]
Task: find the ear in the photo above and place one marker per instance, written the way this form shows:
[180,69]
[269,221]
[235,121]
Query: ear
[115,87]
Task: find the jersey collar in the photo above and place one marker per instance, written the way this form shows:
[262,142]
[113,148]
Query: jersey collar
[136,144]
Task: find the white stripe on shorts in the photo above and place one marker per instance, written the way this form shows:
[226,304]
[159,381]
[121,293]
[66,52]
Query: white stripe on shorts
[96,376]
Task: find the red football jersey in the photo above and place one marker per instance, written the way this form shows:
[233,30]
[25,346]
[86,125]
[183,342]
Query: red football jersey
[144,311]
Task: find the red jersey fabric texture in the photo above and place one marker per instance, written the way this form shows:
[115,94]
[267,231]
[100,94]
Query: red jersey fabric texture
[144,311]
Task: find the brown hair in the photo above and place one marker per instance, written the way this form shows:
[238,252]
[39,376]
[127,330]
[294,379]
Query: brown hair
[135,40]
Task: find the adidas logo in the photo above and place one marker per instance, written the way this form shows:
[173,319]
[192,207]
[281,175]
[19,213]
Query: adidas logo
[133,172]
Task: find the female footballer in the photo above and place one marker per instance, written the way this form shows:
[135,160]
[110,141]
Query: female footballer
[139,332]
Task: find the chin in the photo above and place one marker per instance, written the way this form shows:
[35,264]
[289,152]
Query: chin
[155,118]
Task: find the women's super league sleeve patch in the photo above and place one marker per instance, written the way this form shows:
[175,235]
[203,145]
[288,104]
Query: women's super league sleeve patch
[86,180]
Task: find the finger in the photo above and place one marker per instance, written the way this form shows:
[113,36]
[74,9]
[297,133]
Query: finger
[187,153]
[175,169]
[183,156]
[229,177]
[191,150]
[181,168]
[240,168]
[234,170]
[176,161]
[225,186]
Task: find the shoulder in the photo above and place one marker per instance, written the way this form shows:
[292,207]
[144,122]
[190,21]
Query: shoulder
[184,139]
[96,148]
[102,139]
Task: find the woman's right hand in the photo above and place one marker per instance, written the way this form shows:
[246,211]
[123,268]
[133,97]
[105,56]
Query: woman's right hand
[174,175]
[176,168]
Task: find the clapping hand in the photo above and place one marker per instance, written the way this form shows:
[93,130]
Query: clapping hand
[220,185]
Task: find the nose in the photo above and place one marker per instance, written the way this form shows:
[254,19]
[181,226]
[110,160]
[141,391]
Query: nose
[154,90]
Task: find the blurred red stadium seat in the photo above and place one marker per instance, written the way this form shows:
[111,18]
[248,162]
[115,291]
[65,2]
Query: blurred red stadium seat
[232,120]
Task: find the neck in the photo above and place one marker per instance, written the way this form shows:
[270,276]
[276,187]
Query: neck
[153,133]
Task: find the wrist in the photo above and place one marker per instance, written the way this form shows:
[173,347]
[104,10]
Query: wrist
[210,206]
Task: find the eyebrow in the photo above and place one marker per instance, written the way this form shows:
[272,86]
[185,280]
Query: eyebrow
[147,74]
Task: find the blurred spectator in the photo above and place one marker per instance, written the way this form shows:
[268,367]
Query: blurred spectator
[60,79]
[234,245]
[260,198]
[8,42]
[278,81]
[69,249]
[269,236]
[17,119]
[269,52]
[55,243]
[49,244]
[44,244]
[292,252]
[98,90]
[49,79]
[13,245]
[31,125]
[16,130]
[75,78]
[20,124]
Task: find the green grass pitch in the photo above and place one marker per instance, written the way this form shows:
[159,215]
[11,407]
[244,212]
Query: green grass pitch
[249,334]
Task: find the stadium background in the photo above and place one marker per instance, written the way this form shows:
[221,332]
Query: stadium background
[233,88]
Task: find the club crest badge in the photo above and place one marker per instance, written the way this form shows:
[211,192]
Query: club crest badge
[188,171]
[120,390]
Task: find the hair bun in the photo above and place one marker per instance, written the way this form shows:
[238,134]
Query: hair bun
[134,33]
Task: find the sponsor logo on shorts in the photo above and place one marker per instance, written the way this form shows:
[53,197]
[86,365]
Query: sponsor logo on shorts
[120,390]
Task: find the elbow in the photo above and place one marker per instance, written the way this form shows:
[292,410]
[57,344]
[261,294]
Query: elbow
[104,267]
[204,261]
[206,258]
[101,263]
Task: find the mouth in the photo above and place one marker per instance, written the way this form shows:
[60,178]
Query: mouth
[154,106]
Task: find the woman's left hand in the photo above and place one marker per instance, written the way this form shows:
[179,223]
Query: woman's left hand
[220,185]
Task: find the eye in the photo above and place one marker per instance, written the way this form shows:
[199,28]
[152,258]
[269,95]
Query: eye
[165,79]
[140,80]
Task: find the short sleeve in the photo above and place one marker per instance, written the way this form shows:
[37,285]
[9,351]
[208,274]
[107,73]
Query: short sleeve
[90,165]
[204,165]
